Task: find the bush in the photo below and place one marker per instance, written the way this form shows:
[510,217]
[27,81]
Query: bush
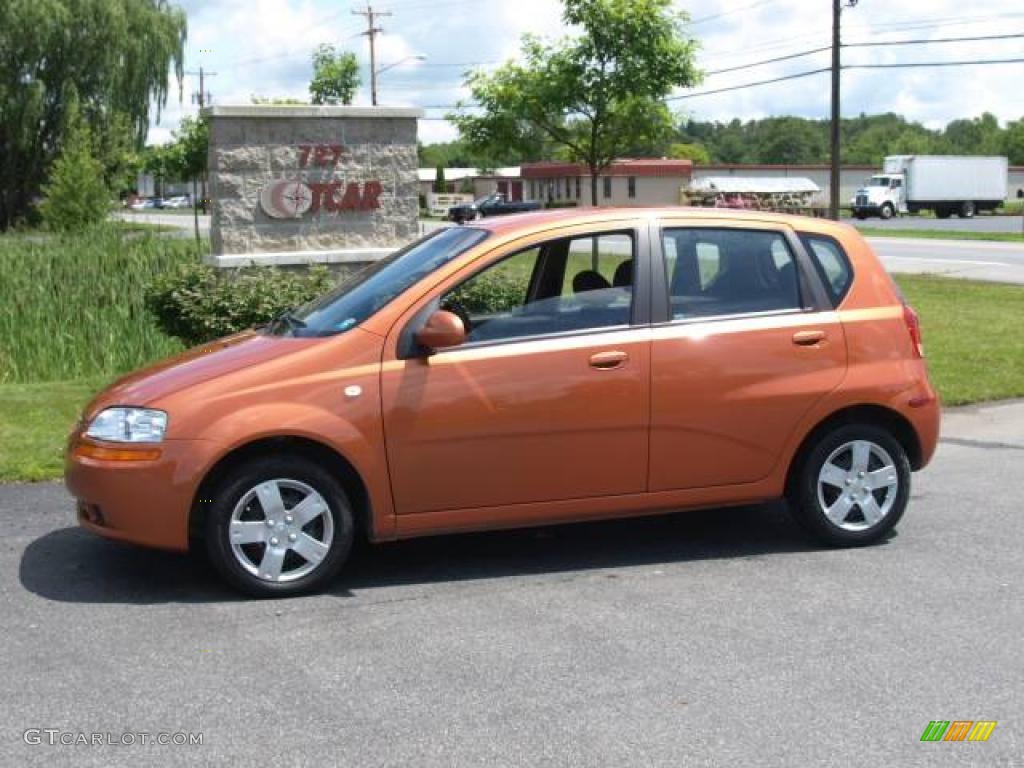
[197,303]
[73,307]
[490,293]
[76,196]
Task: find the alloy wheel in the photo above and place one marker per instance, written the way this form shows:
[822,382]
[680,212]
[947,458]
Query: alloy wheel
[281,530]
[857,485]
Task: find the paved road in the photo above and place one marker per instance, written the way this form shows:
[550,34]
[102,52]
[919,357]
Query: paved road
[981,223]
[978,260]
[183,222]
[701,639]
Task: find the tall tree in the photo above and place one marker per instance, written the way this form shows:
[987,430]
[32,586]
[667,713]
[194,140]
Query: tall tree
[110,57]
[335,76]
[594,95]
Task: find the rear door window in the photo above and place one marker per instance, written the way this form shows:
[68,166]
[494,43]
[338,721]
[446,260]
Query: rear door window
[716,272]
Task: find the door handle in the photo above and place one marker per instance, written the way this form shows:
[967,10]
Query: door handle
[808,338]
[606,361]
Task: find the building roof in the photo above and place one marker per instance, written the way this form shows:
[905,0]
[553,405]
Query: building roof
[458,174]
[645,166]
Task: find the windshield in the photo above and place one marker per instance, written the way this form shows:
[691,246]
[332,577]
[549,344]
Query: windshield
[363,294]
[878,181]
[485,199]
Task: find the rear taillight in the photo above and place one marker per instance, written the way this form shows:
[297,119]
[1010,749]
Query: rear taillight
[913,321]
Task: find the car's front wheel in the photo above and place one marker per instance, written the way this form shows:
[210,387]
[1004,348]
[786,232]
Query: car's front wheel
[278,527]
[852,485]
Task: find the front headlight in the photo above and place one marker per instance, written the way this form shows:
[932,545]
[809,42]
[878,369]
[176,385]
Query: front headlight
[128,425]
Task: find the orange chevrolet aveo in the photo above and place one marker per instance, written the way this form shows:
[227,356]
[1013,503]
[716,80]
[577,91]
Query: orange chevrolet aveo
[545,367]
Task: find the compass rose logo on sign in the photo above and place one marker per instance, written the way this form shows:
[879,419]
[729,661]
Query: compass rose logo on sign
[286,199]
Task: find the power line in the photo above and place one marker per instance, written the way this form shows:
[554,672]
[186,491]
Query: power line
[925,41]
[723,14]
[911,64]
[768,61]
[797,76]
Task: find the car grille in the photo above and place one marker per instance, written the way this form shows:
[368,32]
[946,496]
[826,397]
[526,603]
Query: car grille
[862,199]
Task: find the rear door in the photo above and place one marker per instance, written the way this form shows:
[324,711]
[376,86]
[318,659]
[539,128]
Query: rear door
[745,344]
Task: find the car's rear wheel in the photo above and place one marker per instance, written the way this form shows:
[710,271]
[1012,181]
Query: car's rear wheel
[852,485]
[279,527]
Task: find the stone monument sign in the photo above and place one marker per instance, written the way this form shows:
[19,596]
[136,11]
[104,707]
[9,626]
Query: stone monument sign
[305,184]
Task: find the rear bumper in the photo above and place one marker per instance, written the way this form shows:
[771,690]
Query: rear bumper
[142,502]
[924,412]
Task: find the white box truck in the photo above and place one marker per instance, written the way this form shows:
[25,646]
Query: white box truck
[946,184]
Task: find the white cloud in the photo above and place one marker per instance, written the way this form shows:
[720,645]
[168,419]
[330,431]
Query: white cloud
[263,47]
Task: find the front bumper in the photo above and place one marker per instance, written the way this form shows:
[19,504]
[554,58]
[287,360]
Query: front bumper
[143,502]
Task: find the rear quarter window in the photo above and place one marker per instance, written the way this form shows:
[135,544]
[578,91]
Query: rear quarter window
[832,264]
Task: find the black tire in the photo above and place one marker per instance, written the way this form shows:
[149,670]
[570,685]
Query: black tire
[943,213]
[967,210]
[887,211]
[246,478]
[805,501]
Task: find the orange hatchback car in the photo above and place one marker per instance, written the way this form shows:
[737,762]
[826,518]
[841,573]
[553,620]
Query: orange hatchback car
[539,368]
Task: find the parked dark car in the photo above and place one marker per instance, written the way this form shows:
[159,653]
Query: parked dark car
[492,205]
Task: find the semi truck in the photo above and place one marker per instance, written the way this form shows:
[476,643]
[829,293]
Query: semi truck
[945,184]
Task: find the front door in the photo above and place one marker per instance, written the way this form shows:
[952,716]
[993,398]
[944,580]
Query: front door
[547,400]
[743,355]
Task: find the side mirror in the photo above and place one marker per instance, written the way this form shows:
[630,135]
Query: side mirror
[442,329]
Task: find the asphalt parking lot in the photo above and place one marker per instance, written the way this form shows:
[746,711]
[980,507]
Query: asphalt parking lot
[705,638]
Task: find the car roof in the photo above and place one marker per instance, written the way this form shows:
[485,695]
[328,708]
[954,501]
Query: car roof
[534,220]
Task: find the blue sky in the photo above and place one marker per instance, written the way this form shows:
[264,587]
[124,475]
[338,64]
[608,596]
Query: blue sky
[262,47]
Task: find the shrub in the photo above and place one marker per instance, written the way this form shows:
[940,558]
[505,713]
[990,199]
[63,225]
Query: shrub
[76,196]
[197,303]
[490,293]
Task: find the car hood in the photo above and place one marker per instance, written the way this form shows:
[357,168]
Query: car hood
[199,364]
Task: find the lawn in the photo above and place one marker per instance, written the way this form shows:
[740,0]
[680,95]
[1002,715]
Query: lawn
[943,234]
[973,336]
[34,423]
[36,417]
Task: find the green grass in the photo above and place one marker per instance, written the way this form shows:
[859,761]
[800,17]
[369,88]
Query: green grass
[35,420]
[943,234]
[74,307]
[973,336]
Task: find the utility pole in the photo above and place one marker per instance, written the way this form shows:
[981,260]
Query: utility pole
[834,174]
[372,30]
[201,99]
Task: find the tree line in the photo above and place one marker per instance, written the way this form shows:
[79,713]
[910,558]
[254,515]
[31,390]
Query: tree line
[866,139]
